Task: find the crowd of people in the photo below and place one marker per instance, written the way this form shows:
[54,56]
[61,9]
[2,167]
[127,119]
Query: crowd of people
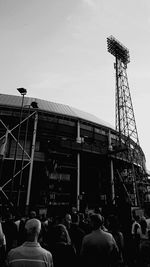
[73,239]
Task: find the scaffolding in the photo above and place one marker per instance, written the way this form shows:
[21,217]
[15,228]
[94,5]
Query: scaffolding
[24,156]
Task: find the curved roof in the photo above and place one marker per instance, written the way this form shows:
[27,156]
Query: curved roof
[55,108]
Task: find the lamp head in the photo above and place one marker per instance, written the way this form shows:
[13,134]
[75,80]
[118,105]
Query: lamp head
[22,91]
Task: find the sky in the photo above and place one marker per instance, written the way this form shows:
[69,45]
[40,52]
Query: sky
[57,50]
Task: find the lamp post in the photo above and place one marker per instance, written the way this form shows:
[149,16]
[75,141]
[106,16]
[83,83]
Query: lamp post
[23,92]
[32,157]
[34,106]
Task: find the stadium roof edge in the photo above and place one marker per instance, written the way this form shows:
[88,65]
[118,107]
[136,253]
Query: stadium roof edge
[52,107]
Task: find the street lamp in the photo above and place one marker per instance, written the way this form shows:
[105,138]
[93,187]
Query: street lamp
[34,105]
[23,92]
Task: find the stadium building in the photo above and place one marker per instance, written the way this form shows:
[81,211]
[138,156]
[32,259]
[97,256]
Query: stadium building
[54,157]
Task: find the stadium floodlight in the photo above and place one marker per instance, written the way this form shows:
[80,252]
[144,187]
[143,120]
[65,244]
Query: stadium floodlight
[118,50]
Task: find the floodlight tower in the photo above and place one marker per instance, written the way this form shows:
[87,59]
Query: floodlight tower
[125,119]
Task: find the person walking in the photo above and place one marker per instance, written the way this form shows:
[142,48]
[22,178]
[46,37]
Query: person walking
[30,253]
[76,233]
[64,253]
[114,229]
[10,231]
[2,246]
[144,252]
[99,248]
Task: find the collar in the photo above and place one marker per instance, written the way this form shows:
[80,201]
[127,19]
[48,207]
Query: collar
[30,244]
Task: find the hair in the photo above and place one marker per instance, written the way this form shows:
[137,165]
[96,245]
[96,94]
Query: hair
[60,234]
[33,226]
[75,218]
[96,221]
[113,222]
[32,214]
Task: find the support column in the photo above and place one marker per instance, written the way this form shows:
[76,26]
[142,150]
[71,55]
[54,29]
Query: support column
[78,181]
[78,167]
[112,182]
[111,171]
[135,190]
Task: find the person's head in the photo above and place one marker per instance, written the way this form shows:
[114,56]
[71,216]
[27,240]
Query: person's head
[81,217]
[135,216]
[113,223]
[9,216]
[60,233]
[67,220]
[73,210]
[96,221]
[33,229]
[32,214]
[75,218]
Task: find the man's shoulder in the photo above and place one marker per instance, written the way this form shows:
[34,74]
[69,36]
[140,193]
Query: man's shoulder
[107,235]
[24,249]
[15,251]
[97,233]
[13,254]
[44,251]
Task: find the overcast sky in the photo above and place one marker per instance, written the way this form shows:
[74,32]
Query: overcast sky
[57,50]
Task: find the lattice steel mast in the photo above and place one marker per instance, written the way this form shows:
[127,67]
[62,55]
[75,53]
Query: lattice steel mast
[125,119]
